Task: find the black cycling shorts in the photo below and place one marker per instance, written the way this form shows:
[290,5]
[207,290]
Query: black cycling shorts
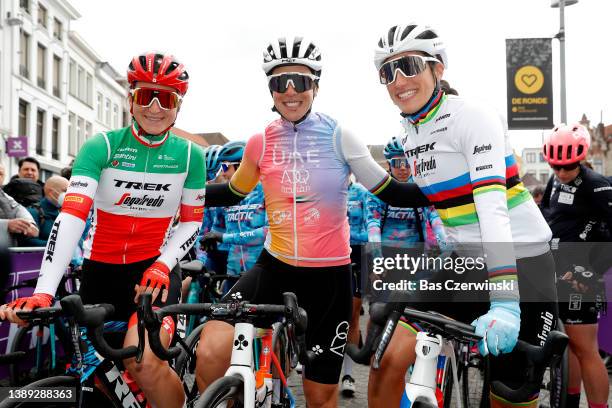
[539,314]
[325,294]
[114,283]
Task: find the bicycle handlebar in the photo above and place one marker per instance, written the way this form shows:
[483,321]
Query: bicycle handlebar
[387,315]
[238,311]
[93,318]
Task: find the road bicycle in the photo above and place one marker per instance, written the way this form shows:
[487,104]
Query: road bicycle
[249,380]
[95,374]
[443,339]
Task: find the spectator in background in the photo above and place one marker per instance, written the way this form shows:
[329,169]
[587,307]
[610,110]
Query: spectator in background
[537,192]
[15,220]
[29,168]
[25,187]
[47,209]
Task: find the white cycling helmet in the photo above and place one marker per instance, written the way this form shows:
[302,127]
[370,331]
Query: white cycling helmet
[292,51]
[410,37]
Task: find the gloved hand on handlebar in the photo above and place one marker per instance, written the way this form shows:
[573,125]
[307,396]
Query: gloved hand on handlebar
[35,301]
[153,280]
[499,327]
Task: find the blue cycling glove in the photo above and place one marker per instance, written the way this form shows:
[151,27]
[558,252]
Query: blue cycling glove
[499,327]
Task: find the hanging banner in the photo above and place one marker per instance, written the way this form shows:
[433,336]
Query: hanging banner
[529,78]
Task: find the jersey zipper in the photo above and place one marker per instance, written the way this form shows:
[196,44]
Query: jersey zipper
[294,158]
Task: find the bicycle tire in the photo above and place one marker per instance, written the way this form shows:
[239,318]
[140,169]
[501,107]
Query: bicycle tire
[18,374]
[57,381]
[185,366]
[221,391]
[474,382]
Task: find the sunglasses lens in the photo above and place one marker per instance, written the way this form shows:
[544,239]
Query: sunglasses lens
[300,83]
[145,97]
[410,66]
[399,162]
[567,167]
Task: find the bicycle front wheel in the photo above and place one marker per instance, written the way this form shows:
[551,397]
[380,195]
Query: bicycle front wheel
[185,366]
[222,391]
[58,381]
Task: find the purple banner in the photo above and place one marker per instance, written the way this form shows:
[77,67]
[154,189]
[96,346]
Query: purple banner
[17,146]
[605,321]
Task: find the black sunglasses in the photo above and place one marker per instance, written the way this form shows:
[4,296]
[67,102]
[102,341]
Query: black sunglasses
[566,167]
[299,81]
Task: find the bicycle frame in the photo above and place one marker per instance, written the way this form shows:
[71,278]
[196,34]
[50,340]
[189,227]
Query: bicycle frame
[427,375]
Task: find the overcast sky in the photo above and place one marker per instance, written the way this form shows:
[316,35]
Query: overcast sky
[221,43]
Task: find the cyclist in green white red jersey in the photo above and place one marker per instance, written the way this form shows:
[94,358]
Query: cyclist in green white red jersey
[135,179]
[462,161]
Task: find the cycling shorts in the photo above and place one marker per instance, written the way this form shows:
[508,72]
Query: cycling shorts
[539,314]
[114,284]
[325,294]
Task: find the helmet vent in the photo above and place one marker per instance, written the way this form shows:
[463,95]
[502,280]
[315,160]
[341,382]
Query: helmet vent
[569,152]
[559,152]
[309,51]
[426,35]
[580,150]
[143,62]
[173,65]
[283,48]
[296,47]
[391,35]
[407,31]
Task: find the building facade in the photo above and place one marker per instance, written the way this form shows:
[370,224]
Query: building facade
[51,82]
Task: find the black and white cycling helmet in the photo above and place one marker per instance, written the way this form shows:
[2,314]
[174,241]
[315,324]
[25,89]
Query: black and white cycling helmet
[410,37]
[292,51]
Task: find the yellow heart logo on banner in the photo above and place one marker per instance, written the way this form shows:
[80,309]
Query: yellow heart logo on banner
[529,79]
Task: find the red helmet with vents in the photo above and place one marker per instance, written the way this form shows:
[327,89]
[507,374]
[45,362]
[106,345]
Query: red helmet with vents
[158,69]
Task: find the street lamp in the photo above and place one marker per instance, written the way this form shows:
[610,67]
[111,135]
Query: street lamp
[561,4]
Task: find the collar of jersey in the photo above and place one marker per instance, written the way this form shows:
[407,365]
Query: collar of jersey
[428,111]
[148,140]
[307,118]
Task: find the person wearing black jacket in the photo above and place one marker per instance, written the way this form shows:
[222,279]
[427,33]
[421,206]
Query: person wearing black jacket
[577,204]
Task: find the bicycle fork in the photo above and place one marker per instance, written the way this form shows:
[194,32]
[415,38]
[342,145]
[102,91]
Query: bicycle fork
[422,384]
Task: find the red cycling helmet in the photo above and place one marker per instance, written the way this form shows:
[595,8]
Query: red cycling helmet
[566,144]
[159,69]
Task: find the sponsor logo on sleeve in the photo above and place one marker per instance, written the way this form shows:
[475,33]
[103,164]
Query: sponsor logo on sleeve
[73,198]
[485,167]
[78,184]
[52,241]
[482,149]
[597,190]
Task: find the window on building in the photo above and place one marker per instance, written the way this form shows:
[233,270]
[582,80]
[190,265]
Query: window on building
[72,142]
[530,157]
[81,93]
[57,29]
[42,15]
[73,78]
[57,75]
[24,56]
[88,130]
[42,62]
[542,160]
[24,107]
[100,107]
[89,89]
[25,5]
[81,131]
[40,132]
[55,137]
[115,116]
[107,108]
